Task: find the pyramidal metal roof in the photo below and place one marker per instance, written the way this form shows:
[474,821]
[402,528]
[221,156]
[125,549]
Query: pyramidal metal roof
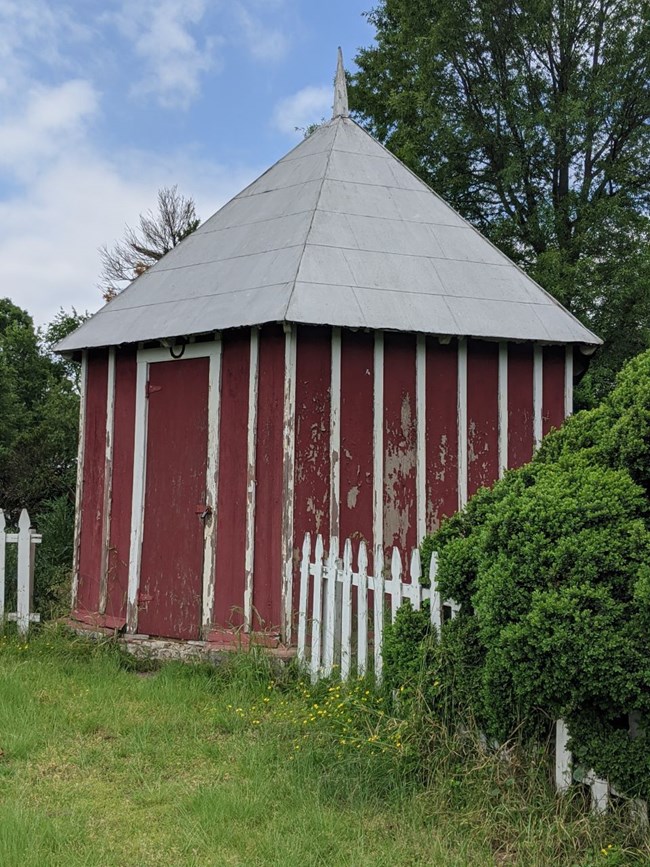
[338,232]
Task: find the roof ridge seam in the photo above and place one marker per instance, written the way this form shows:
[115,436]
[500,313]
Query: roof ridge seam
[313,216]
[228,258]
[195,297]
[253,223]
[430,294]
[393,253]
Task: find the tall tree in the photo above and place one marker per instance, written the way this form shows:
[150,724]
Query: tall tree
[157,233]
[533,119]
[39,404]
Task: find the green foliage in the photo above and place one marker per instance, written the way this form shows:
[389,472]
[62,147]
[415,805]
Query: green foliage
[530,119]
[551,568]
[55,521]
[39,409]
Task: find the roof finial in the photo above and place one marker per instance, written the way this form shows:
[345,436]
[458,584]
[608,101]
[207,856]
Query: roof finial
[340,90]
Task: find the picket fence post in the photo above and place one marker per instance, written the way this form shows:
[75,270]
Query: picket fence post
[436,599]
[346,612]
[416,574]
[26,541]
[304,597]
[378,620]
[330,606]
[362,611]
[317,610]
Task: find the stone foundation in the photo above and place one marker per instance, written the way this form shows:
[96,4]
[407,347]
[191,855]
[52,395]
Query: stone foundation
[214,651]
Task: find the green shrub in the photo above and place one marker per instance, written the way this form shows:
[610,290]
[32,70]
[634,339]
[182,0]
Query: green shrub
[551,568]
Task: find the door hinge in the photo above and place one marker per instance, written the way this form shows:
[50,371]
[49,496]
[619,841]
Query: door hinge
[152,388]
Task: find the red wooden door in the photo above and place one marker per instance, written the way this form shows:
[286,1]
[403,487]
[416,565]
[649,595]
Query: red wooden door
[171,565]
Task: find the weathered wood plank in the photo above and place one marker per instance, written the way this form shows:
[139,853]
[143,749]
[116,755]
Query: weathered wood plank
[396,583]
[421,435]
[462,423]
[83,379]
[538,394]
[211,523]
[378,442]
[304,598]
[330,606]
[568,382]
[378,606]
[108,480]
[288,469]
[249,567]
[362,611]
[416,573]
[346,611]
[317,610]
[503,408]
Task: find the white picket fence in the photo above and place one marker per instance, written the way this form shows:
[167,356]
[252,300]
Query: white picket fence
[26,540]
[331,589]
[335,602]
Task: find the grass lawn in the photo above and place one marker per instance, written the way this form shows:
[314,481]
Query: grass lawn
[101,764]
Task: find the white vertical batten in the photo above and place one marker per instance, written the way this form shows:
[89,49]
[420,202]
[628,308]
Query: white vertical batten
[249,560]
[108,481]
[289,459]
[335,433]
[462,422]
[211,483]
[421,435]
[83,383]
[137,498]
[503,408]
[538,389]
[378,444]
[568,381]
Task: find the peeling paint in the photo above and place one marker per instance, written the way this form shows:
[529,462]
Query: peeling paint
[400,443]
[353,494]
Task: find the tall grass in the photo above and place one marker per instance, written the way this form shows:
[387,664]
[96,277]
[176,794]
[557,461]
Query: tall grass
[106,761]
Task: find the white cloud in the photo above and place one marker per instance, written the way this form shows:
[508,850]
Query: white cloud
[307,106]
[163,35]
[267,44]
[50,117]
[34,31]
[50,232]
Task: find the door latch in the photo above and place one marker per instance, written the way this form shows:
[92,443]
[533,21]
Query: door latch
[203,511]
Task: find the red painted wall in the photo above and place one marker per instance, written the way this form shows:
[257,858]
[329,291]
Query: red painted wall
[482,414]
[231,502]
[400,431]
[441,431]
[312,461]
[268,500]
[553,388]
[122,485]
[357,385]
[92,505]
[520,404]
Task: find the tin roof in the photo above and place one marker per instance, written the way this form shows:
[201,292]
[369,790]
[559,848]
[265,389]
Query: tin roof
[338,232]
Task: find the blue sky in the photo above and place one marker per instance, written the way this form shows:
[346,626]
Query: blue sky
[103,103]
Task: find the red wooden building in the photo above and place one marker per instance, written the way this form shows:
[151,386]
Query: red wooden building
[335,350]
